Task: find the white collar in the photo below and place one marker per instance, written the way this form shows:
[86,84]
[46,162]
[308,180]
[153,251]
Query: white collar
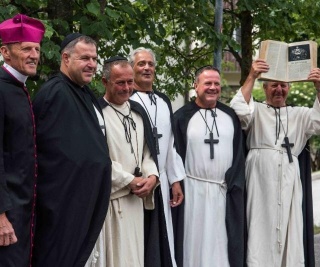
[20,77]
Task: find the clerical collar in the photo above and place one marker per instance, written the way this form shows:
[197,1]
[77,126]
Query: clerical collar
[20,77]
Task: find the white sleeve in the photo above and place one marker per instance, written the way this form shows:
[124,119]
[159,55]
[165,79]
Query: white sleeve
[148,167]
[174,165]
[120,178]
[244,110]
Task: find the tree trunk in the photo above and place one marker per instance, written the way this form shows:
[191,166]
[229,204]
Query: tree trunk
[246,21]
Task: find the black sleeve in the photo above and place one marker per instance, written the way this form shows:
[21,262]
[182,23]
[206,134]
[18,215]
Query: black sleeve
[5,202]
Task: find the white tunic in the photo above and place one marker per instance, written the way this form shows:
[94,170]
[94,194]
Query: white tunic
[205,235]
[121,241]
[274,190]
[170,163]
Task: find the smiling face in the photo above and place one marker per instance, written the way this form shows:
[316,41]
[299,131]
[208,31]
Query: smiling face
[120,85]
[144,70]
[276,93]
[208,88]
[23,57]
[80,65]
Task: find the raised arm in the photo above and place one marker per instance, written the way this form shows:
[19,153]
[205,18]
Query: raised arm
[258,66]
[314,76]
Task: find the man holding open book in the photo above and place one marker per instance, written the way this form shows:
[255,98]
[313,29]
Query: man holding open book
[277,197]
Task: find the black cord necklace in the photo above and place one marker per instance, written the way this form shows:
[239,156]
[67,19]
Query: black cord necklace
[153,100]
[279,124]
[211,141]
[128,123]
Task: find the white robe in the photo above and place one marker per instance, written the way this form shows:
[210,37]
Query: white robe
[274,190]
[170,163]
[205,235]
[121,241]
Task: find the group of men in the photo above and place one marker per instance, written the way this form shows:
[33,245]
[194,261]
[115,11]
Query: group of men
[98,182]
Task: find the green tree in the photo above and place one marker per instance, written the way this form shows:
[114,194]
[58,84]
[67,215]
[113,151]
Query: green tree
[180,31]
[284,20]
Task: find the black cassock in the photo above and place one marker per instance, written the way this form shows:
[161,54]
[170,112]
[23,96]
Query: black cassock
[74,179]
[17,168]
[307,206]
[235,179]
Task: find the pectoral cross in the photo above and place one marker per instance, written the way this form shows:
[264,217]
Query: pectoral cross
[156,137]
[137,172]
[288,146]
[211,142]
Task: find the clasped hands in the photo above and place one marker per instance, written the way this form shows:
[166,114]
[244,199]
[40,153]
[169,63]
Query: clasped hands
[142,187]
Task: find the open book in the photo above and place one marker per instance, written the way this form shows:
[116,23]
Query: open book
[288,62]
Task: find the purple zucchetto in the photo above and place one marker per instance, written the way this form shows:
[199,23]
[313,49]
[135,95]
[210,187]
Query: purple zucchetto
[21,28]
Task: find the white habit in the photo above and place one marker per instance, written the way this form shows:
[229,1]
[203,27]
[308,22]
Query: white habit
[121,241]
[205,235]
[274,190]
[170,163]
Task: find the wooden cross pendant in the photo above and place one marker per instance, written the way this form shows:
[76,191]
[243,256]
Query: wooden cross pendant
[156,137]
[288,146]
[211,142]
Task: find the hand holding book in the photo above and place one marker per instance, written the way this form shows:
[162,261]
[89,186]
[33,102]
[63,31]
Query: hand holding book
[288,62]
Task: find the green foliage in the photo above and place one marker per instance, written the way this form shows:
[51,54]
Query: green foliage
[93,8]
[181,32]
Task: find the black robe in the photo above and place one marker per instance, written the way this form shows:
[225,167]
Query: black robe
[17,168]
[307,206]
[74,179]
[235,179]
[156,243]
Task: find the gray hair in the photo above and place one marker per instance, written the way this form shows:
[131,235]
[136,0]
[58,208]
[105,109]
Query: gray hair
[132,56]
[202,69]
[69,48]
[107,67]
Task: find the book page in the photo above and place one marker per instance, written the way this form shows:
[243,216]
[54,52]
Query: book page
[275,54]
[301,60]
